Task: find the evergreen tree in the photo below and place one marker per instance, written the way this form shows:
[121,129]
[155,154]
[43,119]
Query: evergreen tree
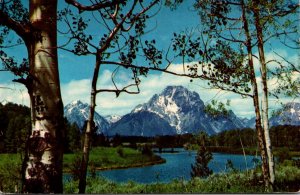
[72,137]
[204,156]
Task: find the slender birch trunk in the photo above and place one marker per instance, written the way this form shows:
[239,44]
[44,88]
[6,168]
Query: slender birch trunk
[89,129]
[43,165]
[258,125]
[265,106]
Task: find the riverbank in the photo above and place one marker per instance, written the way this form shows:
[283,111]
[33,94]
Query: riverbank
[159,161]
[287,180]
[107,158]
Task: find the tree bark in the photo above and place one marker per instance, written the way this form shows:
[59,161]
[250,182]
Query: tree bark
[259,129]
[43,165]
[89,129]
[265,106]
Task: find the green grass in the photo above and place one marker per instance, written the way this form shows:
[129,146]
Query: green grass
[100,158]
[109,158]
[10,171]
[9,158]
[287,180]
[287,176]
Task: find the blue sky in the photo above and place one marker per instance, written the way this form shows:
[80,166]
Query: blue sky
[76,72]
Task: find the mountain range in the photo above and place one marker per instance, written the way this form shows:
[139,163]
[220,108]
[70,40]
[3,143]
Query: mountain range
[78,112]
[176,110]
[288,115]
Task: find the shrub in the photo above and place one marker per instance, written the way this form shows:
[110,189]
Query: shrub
[120,151]
[287,180]
[147,150]
[10,176]
[93,169]
[204,156]
[229,166]
[75,168]
[296,163]
[283,154]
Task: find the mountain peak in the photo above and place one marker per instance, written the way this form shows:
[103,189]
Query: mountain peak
[177,105]
[78,112]
[174,87]
[289,114]
[76,102]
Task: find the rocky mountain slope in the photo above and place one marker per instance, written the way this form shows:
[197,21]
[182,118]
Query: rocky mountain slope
[183,110]
[142,123]
[78,112]
[112,118]
[176,110]
[289,114]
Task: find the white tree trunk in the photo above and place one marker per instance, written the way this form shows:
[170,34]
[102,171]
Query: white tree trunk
[258,125]
[265,106]
[43,165]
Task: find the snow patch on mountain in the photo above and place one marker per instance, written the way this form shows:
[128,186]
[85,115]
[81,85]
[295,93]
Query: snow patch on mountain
[184,111]
[288,115]
[78,112]
[112,118]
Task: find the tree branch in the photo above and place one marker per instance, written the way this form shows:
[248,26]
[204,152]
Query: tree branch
[115,30]
[93,7]
[193,76]
[119,91]
[20,29]
[290,63]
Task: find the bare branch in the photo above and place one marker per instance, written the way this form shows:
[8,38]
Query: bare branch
[193,76]
[290,63]
[93,7]
[115,30]
[119,91]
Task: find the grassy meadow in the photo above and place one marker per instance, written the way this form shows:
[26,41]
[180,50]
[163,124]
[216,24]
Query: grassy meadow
[102,158]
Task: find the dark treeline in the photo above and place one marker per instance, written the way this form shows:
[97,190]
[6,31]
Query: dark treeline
[15,128]
[281,136]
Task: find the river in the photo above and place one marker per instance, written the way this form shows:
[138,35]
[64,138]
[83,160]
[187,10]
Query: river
[177,166]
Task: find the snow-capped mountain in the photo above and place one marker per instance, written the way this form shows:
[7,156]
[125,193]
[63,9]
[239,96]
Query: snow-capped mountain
[141,123]
[174,111]
[78,112]
[289,115]
[175,104]
[248,123]
[112,118]
[184,112]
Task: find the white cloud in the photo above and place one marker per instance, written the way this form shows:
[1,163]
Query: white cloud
[76,90]
[154,83]
[14,92]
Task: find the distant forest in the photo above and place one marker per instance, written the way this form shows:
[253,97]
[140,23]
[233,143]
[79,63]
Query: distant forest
[15,128]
